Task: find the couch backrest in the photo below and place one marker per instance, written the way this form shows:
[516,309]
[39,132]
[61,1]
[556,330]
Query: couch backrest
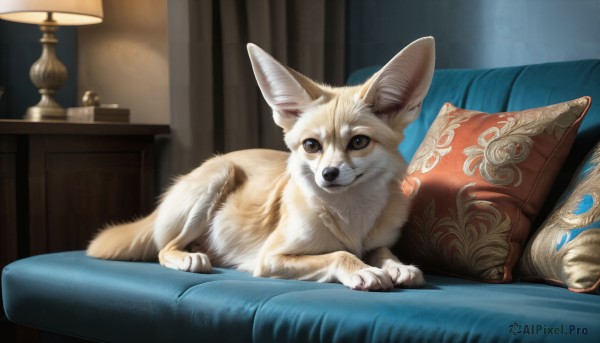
[508,89]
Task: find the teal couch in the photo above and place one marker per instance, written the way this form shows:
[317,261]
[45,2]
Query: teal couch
[71,294]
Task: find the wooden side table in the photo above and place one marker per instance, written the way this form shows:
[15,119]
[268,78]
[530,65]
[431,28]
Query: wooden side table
[60,182]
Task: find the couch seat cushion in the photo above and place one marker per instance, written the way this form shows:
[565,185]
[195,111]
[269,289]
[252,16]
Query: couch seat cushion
[132,301]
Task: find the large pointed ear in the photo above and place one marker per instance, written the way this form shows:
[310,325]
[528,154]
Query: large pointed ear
[396,92]
[288,92]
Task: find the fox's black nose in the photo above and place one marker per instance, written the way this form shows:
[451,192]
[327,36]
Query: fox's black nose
[330,173]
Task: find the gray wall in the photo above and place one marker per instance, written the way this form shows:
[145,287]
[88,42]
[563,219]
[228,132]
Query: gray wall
[474,33]
[125,59]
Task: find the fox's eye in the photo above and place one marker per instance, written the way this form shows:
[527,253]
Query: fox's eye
[359,142]
[311,145]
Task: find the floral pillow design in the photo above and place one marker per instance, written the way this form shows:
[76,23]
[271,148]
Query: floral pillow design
[477,182]
[566,248]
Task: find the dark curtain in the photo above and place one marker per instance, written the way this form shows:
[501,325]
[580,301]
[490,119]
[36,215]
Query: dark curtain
[216,106]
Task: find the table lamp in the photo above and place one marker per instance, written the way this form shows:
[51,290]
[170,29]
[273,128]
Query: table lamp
[48,74]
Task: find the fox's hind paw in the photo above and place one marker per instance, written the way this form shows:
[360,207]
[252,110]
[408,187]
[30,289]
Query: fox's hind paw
[196,262]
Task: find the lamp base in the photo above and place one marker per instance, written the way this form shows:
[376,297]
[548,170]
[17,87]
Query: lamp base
[37,113]
[47,74]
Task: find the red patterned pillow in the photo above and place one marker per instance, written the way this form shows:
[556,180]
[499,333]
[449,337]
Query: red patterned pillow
[477,182]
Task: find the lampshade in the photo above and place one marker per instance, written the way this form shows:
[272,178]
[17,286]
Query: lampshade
[64,12]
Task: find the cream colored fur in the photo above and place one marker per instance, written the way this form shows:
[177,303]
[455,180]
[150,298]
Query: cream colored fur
[278,214]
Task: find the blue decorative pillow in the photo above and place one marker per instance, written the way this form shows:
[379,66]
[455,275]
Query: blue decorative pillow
[566,249]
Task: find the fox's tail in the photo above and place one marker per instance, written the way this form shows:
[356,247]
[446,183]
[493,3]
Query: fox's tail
[130,241]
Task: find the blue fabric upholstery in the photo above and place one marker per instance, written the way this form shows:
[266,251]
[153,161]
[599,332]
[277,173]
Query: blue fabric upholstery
[507,89]
[72,294]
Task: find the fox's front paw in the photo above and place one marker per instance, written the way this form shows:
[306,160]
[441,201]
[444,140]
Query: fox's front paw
[370,279]
[190,262]
[405,275]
